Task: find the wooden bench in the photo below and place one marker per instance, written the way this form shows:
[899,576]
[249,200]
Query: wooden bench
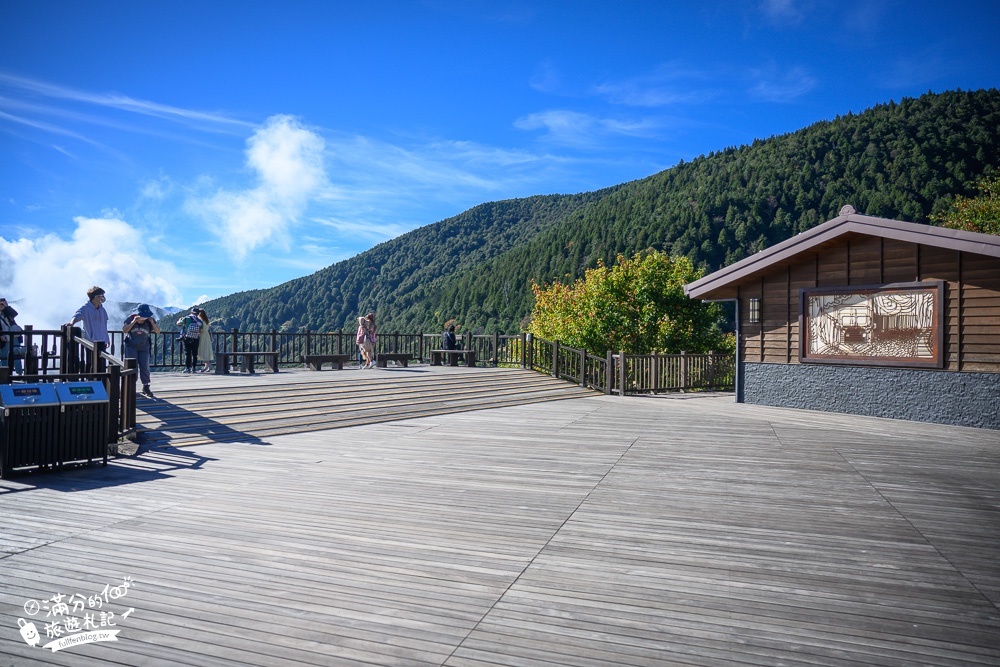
[437,356]
[316,361]
[383,359]
[223,360]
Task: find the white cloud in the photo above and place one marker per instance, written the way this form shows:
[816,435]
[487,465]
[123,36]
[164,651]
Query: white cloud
[48,127]
[47,278]
[375,233]
[773,86]
[156,190]
[782,11]
[288,161]
[561,125]
[388,188]
[546,78]
[572,128]
[115,101]
[668,84]
[634,95]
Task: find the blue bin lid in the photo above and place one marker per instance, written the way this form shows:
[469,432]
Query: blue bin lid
[81,392]
[27,395]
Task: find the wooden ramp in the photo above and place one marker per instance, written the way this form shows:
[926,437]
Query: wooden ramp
[198,409]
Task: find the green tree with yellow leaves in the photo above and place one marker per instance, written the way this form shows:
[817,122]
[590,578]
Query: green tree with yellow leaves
[976,214]
[638,305]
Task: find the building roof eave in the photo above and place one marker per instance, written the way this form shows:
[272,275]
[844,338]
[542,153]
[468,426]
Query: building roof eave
[723,282]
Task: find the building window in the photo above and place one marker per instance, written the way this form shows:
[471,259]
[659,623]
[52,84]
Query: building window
[754,311]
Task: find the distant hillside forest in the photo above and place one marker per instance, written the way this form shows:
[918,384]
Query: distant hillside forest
[901,160]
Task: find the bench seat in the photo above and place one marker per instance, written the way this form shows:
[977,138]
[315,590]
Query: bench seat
[437,356]
[383,359]
[316,361]
[223,360]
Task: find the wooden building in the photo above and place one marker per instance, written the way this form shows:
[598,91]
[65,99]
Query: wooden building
[870,316]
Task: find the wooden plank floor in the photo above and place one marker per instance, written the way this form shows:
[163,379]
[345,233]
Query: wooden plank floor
[680,530]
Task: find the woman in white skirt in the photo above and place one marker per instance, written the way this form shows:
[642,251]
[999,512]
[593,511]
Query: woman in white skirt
[205,351]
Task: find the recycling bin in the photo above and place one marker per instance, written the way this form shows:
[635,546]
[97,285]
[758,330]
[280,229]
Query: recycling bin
[29,426]
[83,422]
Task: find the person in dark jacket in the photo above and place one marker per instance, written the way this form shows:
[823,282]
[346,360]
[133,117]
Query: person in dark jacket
[448,339]
[139,328]
[190,329]
[11,345]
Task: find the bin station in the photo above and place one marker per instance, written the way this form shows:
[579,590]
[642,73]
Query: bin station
[46,426]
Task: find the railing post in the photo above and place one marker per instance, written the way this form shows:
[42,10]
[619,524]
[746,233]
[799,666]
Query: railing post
[340,340]
[684,370]
[128,401]
[555,358]
[98,360]
[496,348]
[308,341]
[274,340]
[114,389]
[420,346]
[524,351]
[30,361]
[654,370]
[583,368]
[609,372]
[711,369]
[622,373]
[67,355]
[529,344]
[64,349]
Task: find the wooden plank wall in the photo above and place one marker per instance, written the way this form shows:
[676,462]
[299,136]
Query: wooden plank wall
[980,296]
[972,326]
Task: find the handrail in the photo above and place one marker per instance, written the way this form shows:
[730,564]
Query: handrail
[613,373]
[620,373]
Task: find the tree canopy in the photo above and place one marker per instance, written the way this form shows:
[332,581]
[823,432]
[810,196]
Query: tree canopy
[638,305]
[976,214]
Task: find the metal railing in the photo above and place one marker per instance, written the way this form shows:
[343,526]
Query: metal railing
[65,355]
[168,352]
[620,373]
[625,374]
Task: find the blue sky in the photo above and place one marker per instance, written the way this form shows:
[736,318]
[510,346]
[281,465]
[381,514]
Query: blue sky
[173,151]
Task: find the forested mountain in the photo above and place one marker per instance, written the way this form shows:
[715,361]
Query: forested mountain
[898,160]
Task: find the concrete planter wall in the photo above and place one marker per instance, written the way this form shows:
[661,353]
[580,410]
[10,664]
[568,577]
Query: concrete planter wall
[959,399]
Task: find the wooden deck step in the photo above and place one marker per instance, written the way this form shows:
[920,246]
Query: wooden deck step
[203,414]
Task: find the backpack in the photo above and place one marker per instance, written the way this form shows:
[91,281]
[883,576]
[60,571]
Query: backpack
[190,327]
[138,336]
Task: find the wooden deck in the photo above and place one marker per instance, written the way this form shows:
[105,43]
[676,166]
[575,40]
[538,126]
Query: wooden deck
[194,409]
[594,530]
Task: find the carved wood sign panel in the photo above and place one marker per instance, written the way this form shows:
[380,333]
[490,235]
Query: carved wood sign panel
[875,325]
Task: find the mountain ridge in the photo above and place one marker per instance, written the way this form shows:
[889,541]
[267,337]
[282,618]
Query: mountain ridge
[899,160]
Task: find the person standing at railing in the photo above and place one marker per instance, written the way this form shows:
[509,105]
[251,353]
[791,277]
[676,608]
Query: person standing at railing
[205,352]
[13,343]
[366,340]
[190,326]
[95,328]
[139,327]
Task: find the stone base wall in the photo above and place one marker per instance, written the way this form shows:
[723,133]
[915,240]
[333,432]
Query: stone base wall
[959,399]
